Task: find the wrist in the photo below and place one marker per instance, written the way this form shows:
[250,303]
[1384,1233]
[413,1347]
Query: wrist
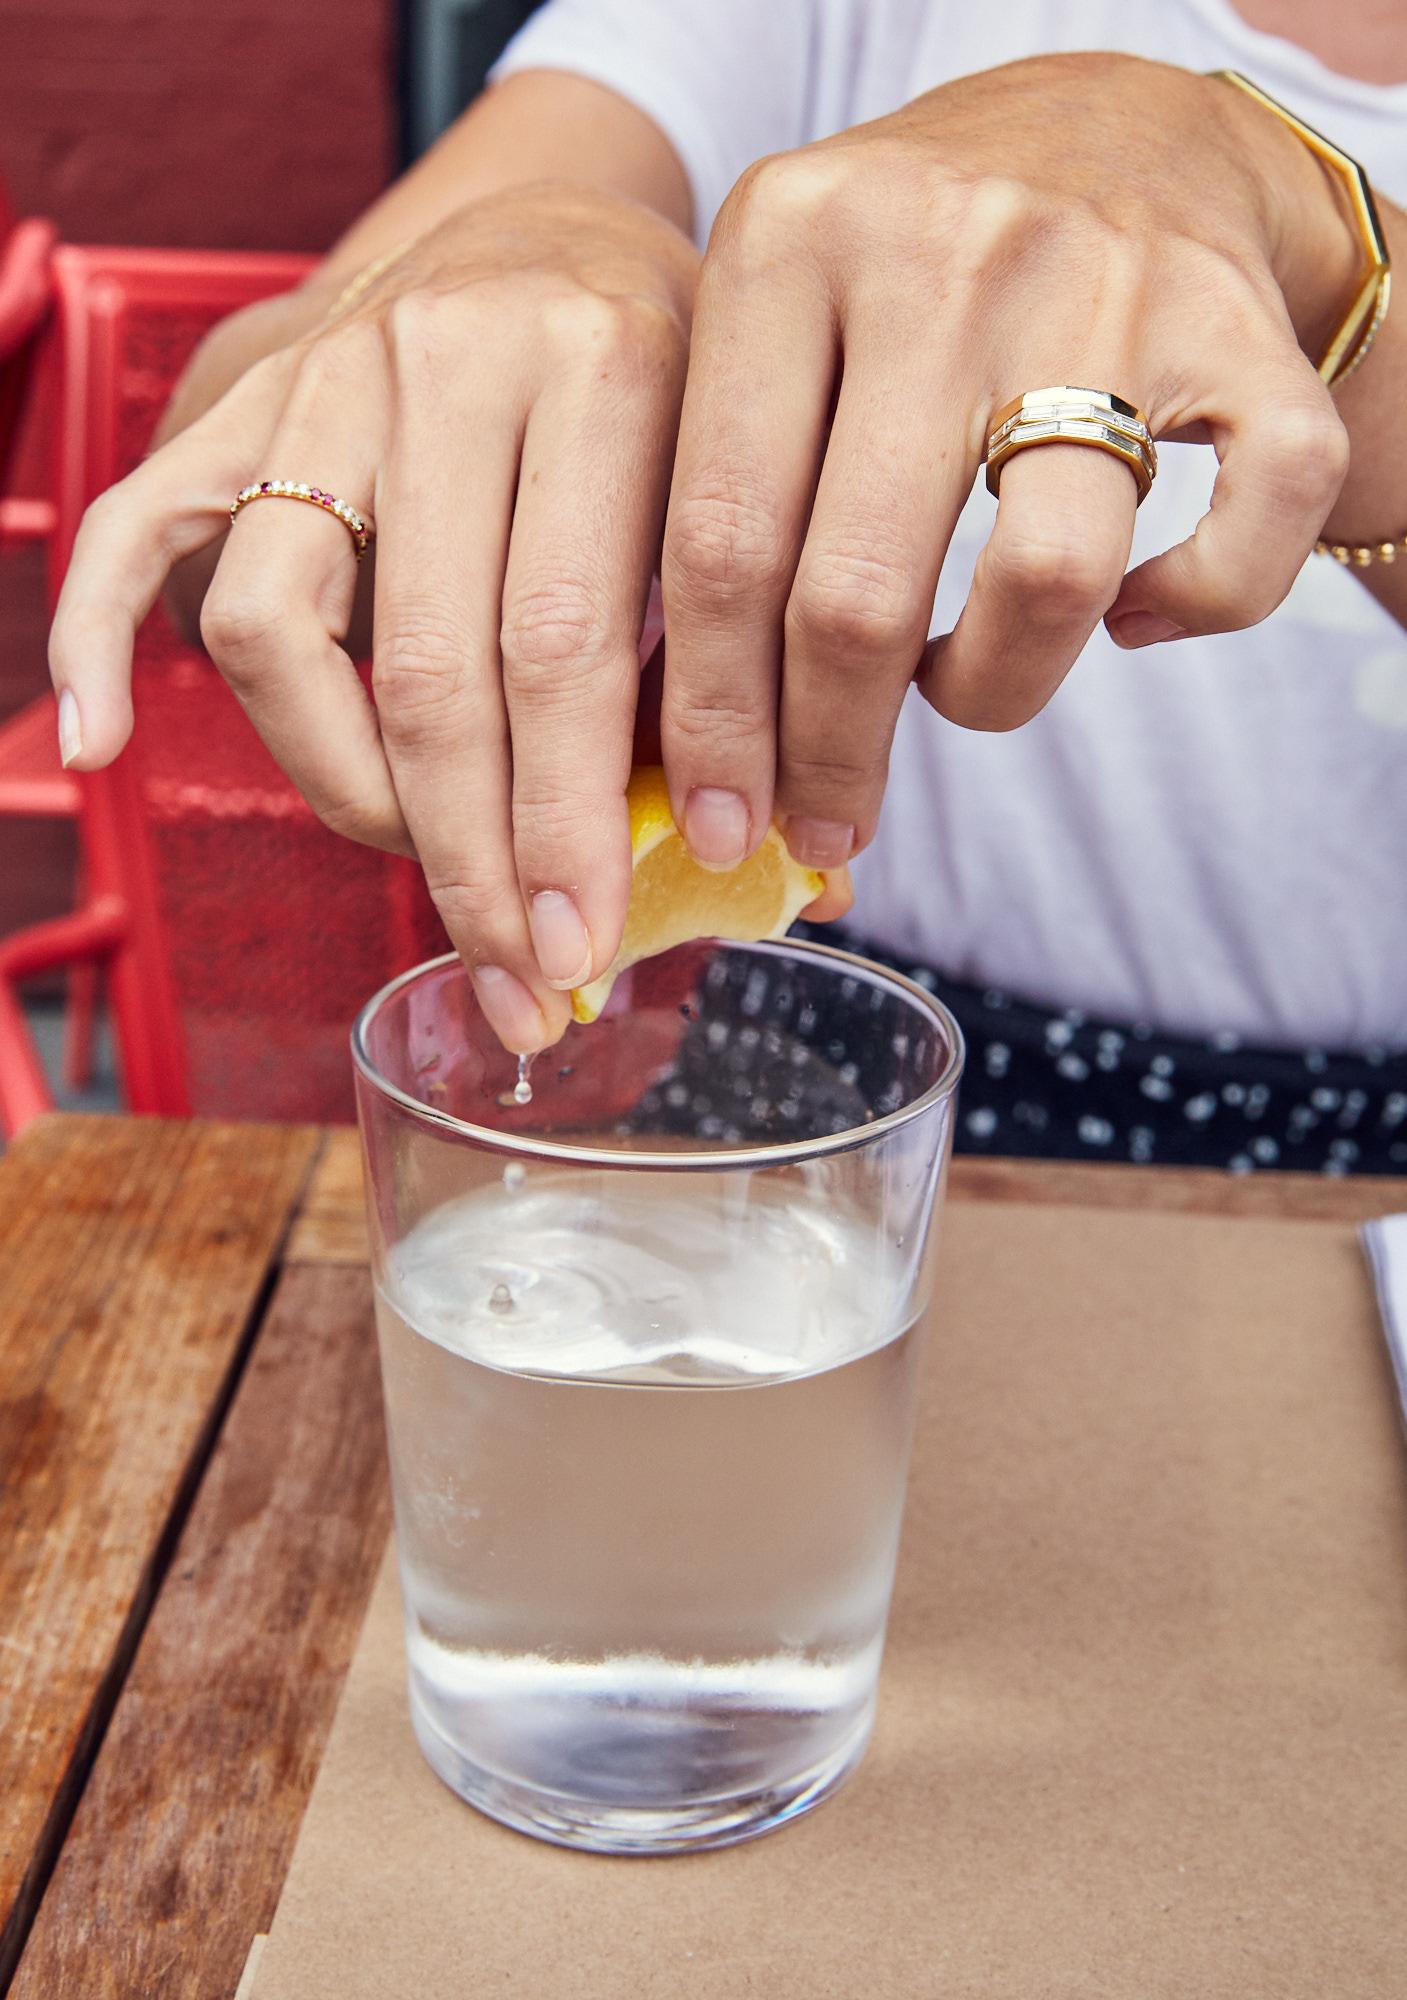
[1313,246]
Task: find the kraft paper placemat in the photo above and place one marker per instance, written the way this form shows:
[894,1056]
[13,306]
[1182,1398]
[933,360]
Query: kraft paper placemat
[1143,1730]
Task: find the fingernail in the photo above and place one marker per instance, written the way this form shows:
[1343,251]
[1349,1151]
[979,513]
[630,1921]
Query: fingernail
[509,1009]
[1142,628]
[70,729]
[820,843]
[716,826]
[560,939]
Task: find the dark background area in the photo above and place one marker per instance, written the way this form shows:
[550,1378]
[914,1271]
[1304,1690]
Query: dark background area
[229,124]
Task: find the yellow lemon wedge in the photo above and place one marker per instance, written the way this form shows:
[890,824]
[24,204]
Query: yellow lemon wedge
[673,899]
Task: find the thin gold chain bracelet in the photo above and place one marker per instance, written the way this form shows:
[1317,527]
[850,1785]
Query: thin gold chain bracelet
[367,276]
[1361,555]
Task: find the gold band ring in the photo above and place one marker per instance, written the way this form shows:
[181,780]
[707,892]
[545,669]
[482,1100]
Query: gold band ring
[1066,415]
[313,496]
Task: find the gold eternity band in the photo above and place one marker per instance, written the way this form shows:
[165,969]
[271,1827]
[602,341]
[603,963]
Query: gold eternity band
[1368,307]
[313,496]
[1069,415]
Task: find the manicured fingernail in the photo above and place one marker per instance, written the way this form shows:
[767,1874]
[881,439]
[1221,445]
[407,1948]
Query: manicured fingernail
[716,826]
[560,939]
[820,843]
[509,1009]
[70,729]
[1142,628]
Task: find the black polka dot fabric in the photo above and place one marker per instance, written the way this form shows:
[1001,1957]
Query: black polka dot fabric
[1060,1085]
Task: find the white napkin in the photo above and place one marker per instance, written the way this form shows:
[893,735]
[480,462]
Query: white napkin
[1385,1241]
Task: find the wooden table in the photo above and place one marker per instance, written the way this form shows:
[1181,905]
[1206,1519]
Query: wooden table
[192,1504]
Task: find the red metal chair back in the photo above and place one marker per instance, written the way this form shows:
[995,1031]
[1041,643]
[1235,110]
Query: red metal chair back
[26,251]
[252,934]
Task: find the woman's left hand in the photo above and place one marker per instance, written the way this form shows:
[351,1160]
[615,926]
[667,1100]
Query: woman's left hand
[866,305]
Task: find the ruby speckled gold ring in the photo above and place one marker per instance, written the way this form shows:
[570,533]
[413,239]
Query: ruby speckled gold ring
[313,496]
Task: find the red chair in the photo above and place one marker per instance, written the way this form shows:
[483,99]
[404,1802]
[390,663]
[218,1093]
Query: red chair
[237,935]
[33,784]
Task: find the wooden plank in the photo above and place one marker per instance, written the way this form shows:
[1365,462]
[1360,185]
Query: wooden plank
[178,1851]
[132,1256]
[331,1227]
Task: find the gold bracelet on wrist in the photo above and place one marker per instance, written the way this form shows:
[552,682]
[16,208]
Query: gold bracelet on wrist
[1365,315]
[367,275]
[1360,555]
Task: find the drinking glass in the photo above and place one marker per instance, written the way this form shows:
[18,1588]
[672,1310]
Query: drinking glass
[649,1345]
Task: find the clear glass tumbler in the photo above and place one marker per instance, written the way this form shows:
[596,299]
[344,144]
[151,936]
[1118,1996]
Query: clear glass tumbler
[649,1345]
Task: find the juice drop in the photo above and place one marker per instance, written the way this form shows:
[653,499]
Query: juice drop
[522,1091]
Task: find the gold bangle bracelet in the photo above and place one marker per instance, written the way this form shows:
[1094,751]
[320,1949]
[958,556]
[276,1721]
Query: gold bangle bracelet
[1361,555]
[1359,325]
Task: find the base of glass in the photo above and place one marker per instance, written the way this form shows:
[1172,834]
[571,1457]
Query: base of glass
[611,1829]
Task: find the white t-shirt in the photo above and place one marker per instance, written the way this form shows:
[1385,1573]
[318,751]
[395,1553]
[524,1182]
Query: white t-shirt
[1209,835]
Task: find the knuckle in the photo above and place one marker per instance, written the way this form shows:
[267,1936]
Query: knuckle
[548,629]
[269,375]
[238,628]
[417,331]
[992,225]
[721,546]
[776,197]
[552,821]
[483,907]
[654,330]
[103,513]
[1236,602]
[418,671]
[355,819]
[854,604]
[612,329]
[825,774]
[330,365]
[996,208]
[1053,574]
[586,322]
[100,522]
[701,719]
[1307,450]
[971,696]
[984,709]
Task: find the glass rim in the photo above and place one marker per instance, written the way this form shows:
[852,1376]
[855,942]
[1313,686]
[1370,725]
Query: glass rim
[702,1159]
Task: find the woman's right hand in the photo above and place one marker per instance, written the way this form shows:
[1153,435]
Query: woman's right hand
[502,401]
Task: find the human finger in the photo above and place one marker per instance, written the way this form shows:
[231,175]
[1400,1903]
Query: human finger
[1049,571]
[890,490]
[1283,456]
[761,373]
[174,504]
[586,528]
[444,502]
[281,599]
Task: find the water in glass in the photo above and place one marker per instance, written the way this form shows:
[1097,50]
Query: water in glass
[648,1452]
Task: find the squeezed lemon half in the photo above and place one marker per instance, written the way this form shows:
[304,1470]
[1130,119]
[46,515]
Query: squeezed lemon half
[673,900]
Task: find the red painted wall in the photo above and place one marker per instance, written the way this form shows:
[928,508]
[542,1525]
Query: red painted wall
[239,123]
[231,123]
